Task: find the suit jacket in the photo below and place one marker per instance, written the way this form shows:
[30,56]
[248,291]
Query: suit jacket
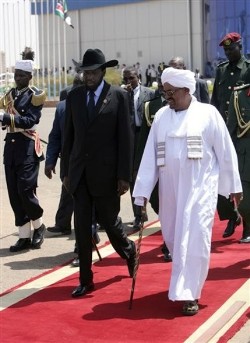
[102,148]
[201,91]
[55,141]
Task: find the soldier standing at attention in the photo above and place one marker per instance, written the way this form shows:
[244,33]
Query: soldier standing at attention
[22,154]
[228,75]
[239,129]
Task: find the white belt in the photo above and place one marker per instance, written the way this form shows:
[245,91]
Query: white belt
[18,129]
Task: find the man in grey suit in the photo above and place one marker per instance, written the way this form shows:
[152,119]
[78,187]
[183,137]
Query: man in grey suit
[139,95]
[97,161]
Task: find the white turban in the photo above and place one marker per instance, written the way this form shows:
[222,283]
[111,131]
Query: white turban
[25,65]
[179,78]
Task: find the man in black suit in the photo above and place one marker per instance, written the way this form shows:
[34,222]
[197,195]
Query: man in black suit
[139,95]
[97,161]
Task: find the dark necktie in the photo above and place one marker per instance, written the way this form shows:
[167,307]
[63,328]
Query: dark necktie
[91,104]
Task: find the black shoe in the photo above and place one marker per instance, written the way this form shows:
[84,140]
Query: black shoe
[245,239]
[131,261]
[167,257]
[166,254]
[21,244]
[59,230]
[38,237]
[231,225]
[75,262]
[82,290]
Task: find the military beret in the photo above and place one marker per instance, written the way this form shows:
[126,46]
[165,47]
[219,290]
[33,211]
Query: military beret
[230,38]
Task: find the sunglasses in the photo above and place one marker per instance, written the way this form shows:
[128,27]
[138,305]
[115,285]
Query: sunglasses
[171,92]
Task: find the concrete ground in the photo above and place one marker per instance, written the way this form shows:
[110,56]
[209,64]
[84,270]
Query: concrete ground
[16,268]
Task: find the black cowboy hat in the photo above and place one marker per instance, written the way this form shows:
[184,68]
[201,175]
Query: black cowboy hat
[77,65]
[94,59]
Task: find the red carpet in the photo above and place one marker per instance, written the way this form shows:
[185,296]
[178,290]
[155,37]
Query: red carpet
[51,315]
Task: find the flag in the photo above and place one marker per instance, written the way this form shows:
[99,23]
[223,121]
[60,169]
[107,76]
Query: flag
[62,11]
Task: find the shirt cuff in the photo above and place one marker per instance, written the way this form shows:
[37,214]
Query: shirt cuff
[139,201]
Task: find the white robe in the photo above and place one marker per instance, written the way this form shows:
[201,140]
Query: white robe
[188,188]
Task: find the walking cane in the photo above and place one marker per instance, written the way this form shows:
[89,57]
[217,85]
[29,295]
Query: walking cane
[137,258]
[96,248]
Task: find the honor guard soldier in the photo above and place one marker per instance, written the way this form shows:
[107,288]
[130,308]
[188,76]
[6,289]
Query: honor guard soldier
[22,154]
[239,129]
[229,74]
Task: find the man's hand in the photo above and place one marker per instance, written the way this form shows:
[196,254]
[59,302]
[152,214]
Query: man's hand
[49,170]
[236,198]
[122,187]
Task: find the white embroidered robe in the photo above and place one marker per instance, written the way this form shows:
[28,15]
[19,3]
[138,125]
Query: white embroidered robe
[188,188]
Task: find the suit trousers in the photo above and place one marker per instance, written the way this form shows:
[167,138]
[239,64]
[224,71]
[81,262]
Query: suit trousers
[225,208]
[65,210]
[107,209]
[21,183]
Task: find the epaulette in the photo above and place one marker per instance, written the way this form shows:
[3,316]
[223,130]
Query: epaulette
[237,88]
[38,97]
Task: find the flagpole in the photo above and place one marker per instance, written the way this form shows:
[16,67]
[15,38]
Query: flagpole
[42,45]
[15,29]
[65,52]
[59,55]
[79,48]
[48,49]
[37,46]
[6,16]
[54,47]
[4,39]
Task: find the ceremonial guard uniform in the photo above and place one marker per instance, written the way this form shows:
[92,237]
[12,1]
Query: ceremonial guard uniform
[239,129]
[229,74]
[227,77]
[22,153]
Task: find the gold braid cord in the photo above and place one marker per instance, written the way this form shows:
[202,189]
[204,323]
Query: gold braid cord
[242,124]
[147,115]
[137,259]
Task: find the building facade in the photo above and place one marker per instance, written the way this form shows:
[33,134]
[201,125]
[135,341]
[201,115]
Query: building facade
[144,31]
